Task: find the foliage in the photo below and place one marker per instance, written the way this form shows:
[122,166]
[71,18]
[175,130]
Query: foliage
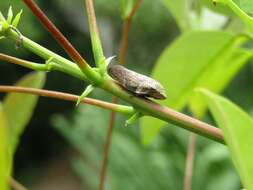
[4,154]
[211,67]
[238,131]
[132,165]
[197,58]
[15,113]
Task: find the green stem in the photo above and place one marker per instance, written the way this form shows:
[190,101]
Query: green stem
[63,64]
[48,66]
[95,40]
[239,12]
[126,110]
[150,108]
[144,106]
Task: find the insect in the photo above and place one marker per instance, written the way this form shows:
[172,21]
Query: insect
[139,84]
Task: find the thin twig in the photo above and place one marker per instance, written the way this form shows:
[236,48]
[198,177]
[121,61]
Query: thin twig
[146,106]
[190,161]
[162,112]
[16,185]
[125,33]
[60,38]
[94,33]
[107,146]
[122,58]
[106,151]
[69,97]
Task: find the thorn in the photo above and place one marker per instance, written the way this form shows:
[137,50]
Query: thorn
[85,93]
[133,118]
[109,59]
[105,64]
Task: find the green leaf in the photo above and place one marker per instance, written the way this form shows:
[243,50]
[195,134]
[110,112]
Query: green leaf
[17,19]
[126,7]
[238,132]
[9,15]
[19,107]
[2,19]
[247,6]
[4,150]
[218,7]
[205,58]
[180,11]
[220,72]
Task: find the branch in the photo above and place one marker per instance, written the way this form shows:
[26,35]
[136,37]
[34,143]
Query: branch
[16,185]
[147,107]
[125,33]
[69,97]
[95,40]
[62,40]
[48,66]
[106,152]
[122,58]
[190,161]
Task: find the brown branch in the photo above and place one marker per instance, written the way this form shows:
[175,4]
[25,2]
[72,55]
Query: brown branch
[64,96]
[107,146]
[158,111]
[125,33]
[60,38]
[190,162]
[16,185]
[122,58]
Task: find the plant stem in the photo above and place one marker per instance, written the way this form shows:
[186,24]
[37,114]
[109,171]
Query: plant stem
[16,185]
[239,12]
[107,146]
[122,58]
[189,161]
[125,33]
[49,66]
[92,76]
[94,33]
[126,110]
[146,106]
[69,67]
[151,108]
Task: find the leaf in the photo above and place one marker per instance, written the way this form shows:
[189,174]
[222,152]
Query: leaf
[247,6]
[205,58]
[2,19]
[180,11]
[220,8]
[126,7]
[17,19]
[238,133]
[9,15]
[219,73]
[19,107]
[4,150]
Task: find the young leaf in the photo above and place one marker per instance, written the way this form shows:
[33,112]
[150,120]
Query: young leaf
[247,6]
[204,58]
[9,15]
[126,7]
[238,132]
[16,19]
[4,150]
[19,107]
[180,11]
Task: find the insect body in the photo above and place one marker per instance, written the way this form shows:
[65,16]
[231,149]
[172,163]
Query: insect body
[137,83]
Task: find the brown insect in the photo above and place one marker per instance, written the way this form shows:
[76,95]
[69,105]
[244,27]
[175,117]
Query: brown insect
[139,84]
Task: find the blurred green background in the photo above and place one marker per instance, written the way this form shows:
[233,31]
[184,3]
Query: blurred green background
[62,147]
